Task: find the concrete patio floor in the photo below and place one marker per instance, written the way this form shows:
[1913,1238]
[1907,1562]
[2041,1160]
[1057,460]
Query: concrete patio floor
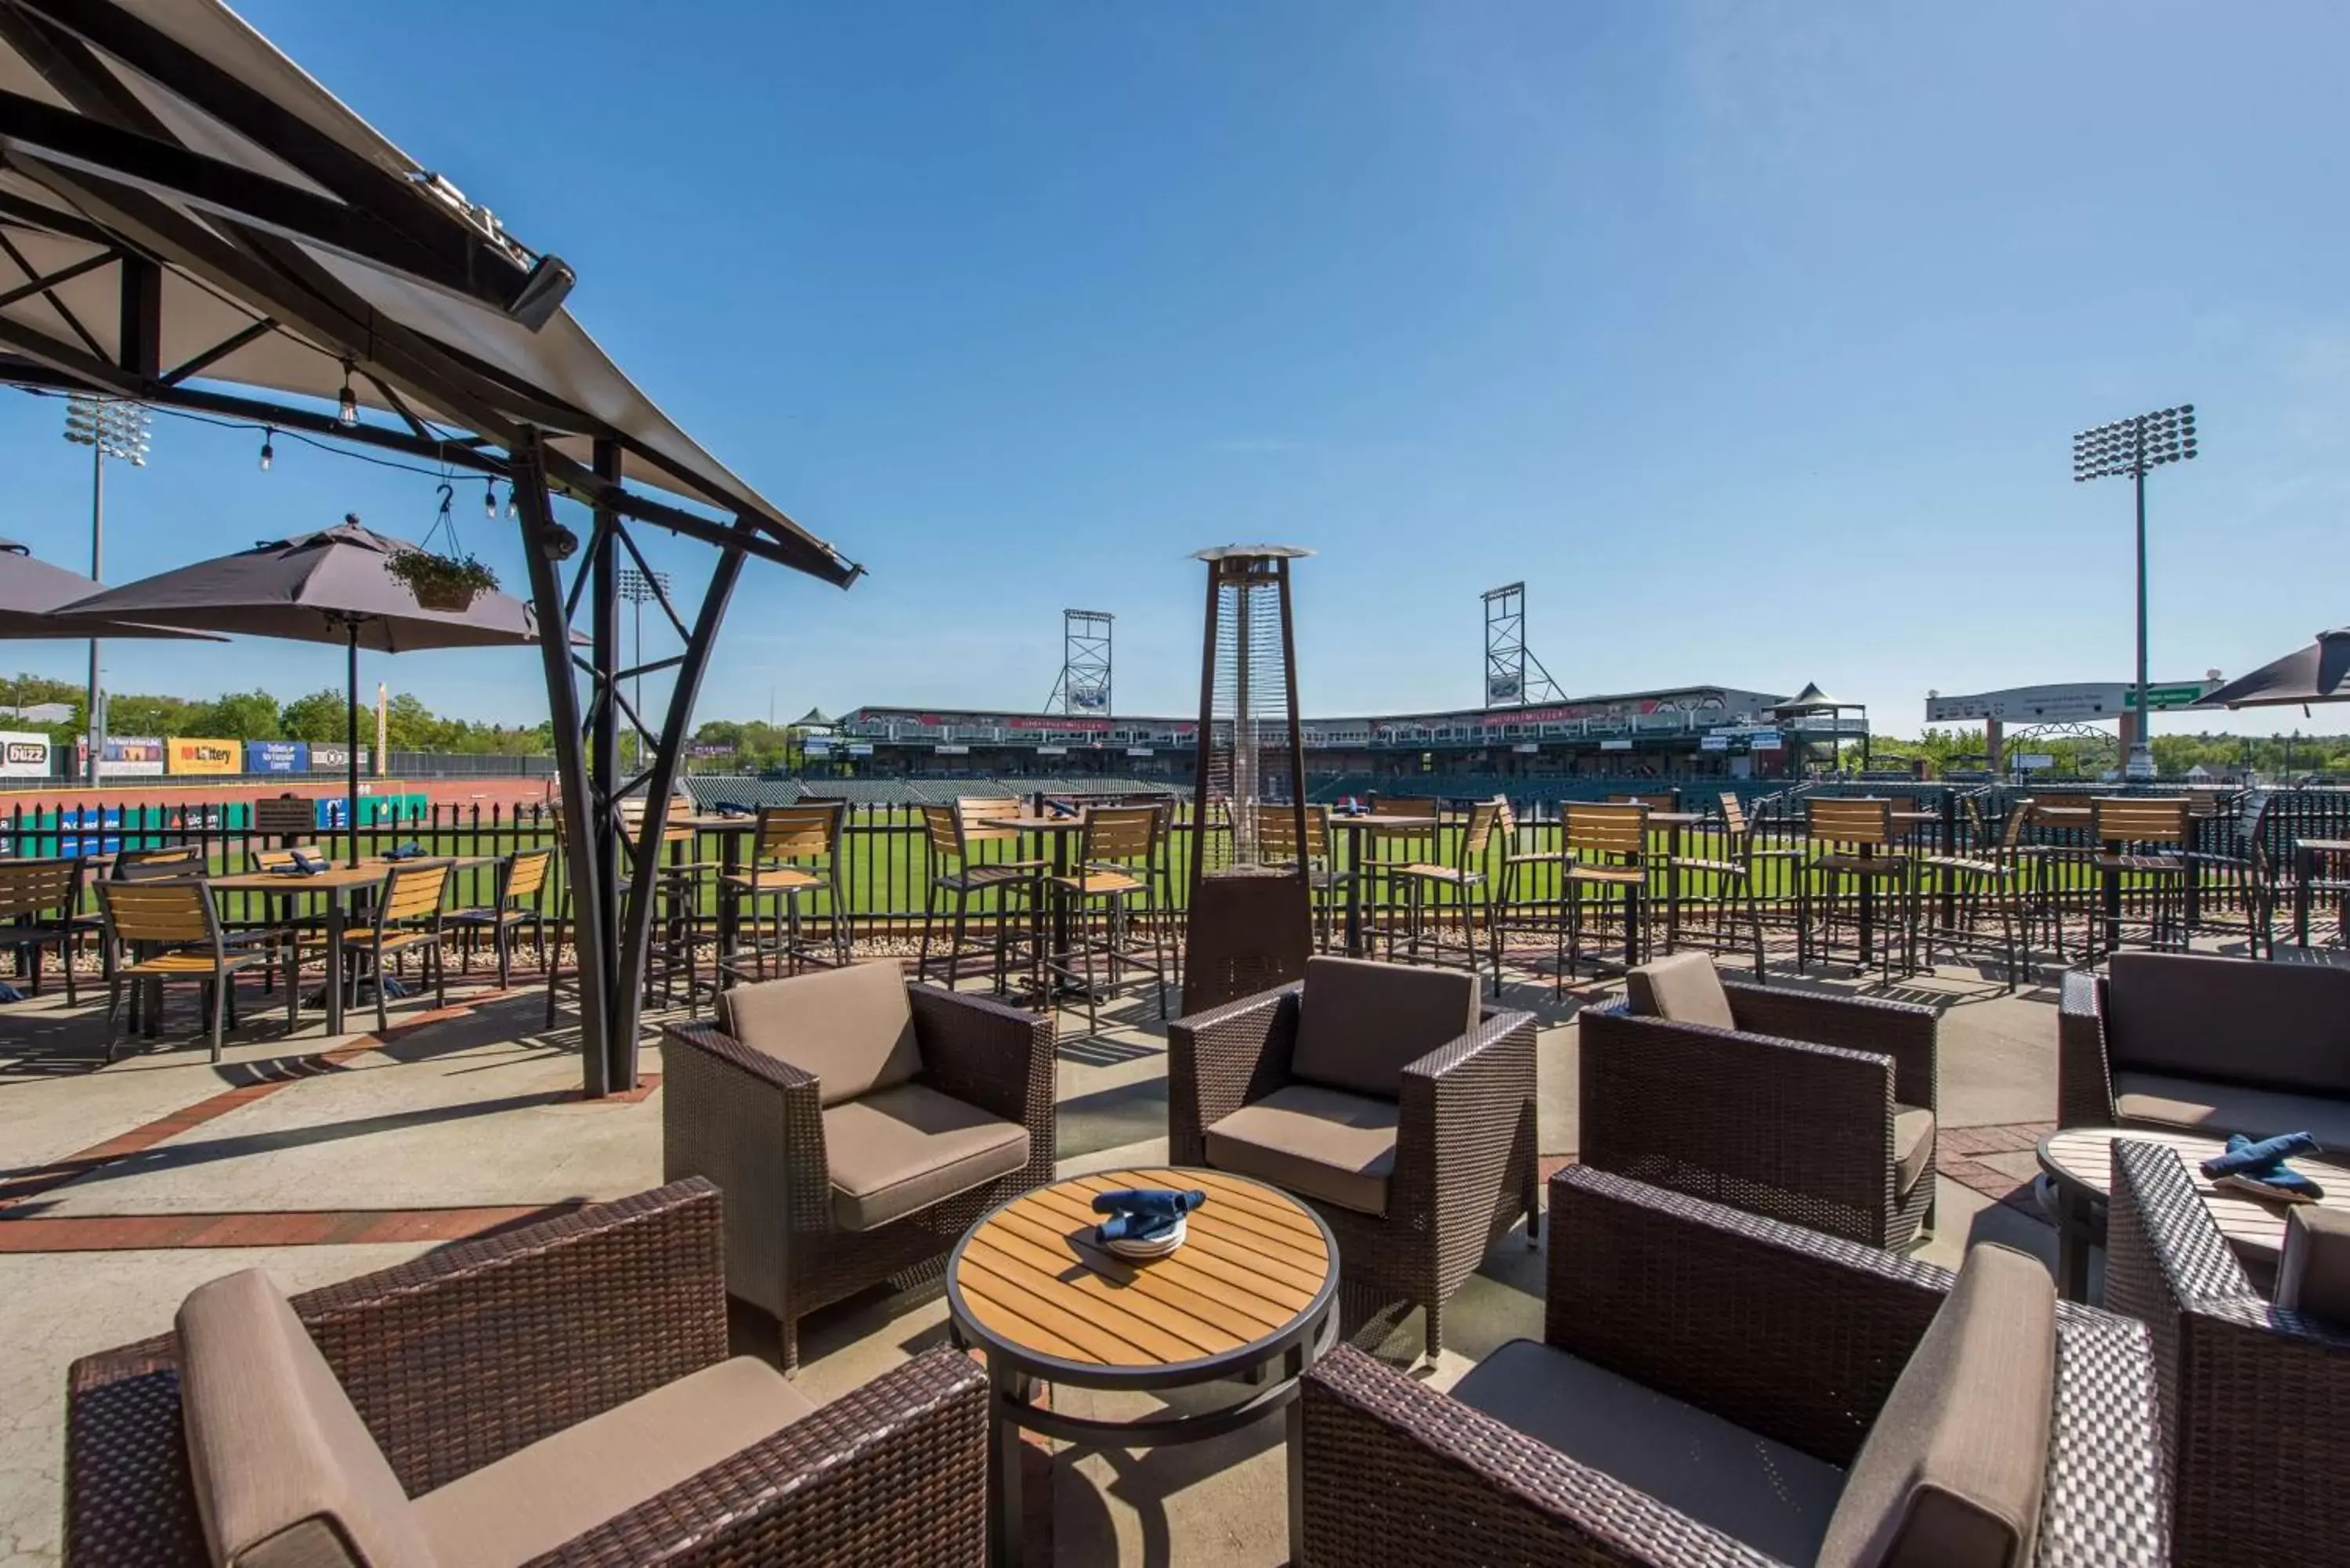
[123,1187]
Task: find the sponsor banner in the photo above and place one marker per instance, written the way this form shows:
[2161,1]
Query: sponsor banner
[1138,751]
[278,756]
[860,748]
[1051,750]
[1765,741]
[334,757]
[711,749]
[183,755]
[816,746]
[1041,721]
[1713,744]
[24,755]
[946,751]
[1527,748]
[1615,745]
[2032,762]
[131,756]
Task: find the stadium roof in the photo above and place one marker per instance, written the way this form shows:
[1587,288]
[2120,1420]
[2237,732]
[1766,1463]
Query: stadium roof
[240,226]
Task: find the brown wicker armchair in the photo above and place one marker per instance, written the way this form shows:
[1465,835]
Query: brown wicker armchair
[2253,1391]
[2199,1043]
[519,1371]
[1707,1380]
[1388,1098]
[857,1126]
[1812,1108]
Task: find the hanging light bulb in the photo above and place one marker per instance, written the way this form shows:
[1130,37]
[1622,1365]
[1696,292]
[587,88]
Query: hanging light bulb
[346,406]
[490,499]
[268,452]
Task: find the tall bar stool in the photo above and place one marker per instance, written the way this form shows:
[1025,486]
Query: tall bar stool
[960,873]
[796,859]
[1531,895]
[1115,878]
[521,876]
[1861,859]
[1467,879]
[2144,839]
[1999,878]
[674,953]
[1386,848]
[1277,830]
[1610,871]
[1736,886]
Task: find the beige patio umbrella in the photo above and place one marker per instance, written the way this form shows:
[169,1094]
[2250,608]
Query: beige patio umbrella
[332,586]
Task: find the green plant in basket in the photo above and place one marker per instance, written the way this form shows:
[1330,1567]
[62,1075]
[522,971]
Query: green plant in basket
[449,583]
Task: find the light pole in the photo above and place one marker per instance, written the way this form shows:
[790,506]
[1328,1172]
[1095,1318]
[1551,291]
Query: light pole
[109,427]
[637,586]
[2133,447]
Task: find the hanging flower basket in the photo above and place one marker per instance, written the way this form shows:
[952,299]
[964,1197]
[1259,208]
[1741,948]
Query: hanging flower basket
[447,582]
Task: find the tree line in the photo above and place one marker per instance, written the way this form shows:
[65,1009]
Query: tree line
[320,716]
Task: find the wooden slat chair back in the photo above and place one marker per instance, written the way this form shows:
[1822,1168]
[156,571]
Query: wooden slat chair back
[1853,821]
[526,872]
[412,893]
[39,889]
[1617,828]
[1483,819]
[146,865]
[973,810]
[2139,819]
[807,832]
[280,859]
[1276,833]
[1116,834]
[1734,820]
[174,913]
[1407,805]
[944,830]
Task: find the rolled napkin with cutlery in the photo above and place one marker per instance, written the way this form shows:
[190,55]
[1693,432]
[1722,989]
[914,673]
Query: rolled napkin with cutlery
[1143,1213]
[2258,1169]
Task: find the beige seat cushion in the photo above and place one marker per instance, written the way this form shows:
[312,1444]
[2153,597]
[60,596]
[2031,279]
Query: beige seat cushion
[1775,1499]
[1313,1141]
[852,1028]
[560,1488]
[1360,1024]
[1682,989]
[2279,1026]
[1953,1470]
[2313,1273]
[1913,1144]
[2215,1110]
[899,1150]
[286,1473]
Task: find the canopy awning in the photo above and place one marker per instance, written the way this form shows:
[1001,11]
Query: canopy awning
[240,236]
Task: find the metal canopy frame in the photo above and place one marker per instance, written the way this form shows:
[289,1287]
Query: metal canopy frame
[154,203]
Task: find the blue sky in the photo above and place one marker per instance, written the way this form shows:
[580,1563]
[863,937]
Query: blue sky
[1751,336]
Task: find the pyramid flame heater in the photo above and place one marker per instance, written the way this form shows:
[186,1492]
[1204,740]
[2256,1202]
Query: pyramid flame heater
[1251,925]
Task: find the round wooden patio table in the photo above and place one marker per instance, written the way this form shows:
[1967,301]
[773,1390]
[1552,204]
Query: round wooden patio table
[1252,1294]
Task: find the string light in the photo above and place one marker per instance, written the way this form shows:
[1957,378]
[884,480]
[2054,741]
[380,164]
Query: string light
[490,499]
[268,451]
[346,406]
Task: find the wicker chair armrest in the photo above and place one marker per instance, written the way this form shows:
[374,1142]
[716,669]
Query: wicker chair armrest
[709,1040]
[1467,1095]
[1786,1332]
[2084,1080]
[987,1055]
[455,1359]
[1395,1473]
[1220,1060]
[1901,1030]
[892,1474]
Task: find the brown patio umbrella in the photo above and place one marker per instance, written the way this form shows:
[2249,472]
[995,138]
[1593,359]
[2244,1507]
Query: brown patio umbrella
[31,589]
[2318,673]
[327,586]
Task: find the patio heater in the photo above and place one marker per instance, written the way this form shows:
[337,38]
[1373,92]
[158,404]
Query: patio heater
[1251,925]
[2133,447]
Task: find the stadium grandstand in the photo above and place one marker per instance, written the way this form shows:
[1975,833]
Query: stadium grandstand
[1693,733]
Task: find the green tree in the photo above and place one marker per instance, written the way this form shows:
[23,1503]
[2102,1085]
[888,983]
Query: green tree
[237,715]
[320,716]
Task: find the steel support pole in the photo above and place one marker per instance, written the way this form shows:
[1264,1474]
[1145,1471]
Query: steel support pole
[623,989]
[2142,745]
[585,844]
[97,715]
[351,745]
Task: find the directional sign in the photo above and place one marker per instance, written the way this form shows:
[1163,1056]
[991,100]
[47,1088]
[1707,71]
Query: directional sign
[2160,697]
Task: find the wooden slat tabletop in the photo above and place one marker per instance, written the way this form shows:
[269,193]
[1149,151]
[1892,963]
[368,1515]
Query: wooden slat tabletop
[1252,1261]
[2254,1229]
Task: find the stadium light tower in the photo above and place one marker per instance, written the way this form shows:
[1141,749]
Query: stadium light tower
[109,427]
[1513,676]
[636,588]
[1083,690]
[2134,447]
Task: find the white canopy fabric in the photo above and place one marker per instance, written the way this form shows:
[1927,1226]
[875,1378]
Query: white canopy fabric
[456,358]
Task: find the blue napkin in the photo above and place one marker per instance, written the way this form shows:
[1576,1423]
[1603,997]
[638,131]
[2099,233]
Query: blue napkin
[407,851]
[2264,1163]
[301,864]
[1143,1213]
